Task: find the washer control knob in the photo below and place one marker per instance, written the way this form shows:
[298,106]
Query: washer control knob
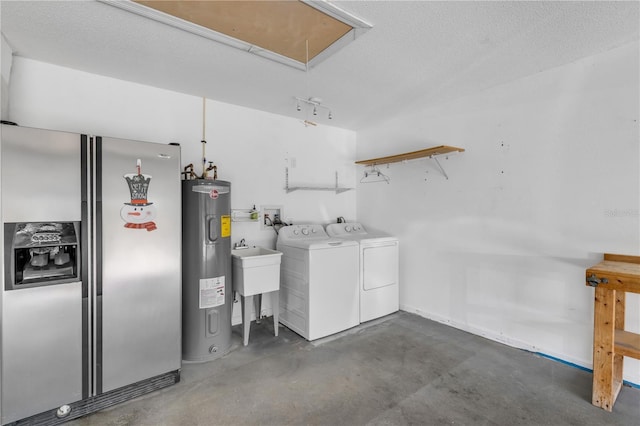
[347,228]
[313,230]
[305,231]
[295,232]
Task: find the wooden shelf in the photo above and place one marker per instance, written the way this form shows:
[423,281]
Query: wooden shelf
[627,344]
[429,152]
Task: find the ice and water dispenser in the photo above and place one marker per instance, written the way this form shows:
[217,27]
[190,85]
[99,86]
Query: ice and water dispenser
[41,253]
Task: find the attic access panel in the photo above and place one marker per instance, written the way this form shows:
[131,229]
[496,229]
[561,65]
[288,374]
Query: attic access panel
[275,29]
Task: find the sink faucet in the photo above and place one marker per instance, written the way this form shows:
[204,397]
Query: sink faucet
[241,244]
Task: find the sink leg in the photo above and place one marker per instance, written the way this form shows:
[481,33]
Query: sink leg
[275,305]
[257,301]
[245,302]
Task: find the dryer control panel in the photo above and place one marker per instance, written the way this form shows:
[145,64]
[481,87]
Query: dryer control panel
[352,228]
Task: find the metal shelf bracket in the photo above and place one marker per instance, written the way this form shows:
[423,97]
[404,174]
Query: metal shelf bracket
[439,165]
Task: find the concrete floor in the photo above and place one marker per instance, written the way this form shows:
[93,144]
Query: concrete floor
[400,370]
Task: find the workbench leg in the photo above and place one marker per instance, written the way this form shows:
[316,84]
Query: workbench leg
[607,367]
[618,360]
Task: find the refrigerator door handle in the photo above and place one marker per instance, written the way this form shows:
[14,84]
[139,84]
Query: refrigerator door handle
[96,249]
[86,232]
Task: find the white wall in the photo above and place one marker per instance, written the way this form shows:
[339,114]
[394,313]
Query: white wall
[548,183]
[250,148]
[6,60]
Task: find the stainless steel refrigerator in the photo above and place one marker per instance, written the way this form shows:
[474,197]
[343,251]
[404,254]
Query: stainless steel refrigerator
[91,294]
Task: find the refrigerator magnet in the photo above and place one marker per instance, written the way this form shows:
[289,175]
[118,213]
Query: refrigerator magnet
[139,213]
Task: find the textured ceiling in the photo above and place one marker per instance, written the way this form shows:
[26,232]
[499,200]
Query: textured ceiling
[418,53]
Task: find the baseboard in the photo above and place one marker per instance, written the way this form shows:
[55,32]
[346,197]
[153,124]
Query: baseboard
[506,340]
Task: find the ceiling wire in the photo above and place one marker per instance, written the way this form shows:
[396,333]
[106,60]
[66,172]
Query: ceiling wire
[307,122]
[306,66]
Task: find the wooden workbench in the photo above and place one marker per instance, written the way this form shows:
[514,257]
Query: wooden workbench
[612,278]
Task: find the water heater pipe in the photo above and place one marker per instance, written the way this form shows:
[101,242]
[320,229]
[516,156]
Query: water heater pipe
[204,142]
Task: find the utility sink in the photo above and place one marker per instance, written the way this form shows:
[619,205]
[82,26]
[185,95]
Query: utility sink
[256,270]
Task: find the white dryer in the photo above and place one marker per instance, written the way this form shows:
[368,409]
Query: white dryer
[378,268]
[318,281]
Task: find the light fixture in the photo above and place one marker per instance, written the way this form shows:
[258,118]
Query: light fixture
[310,101]
[316,103]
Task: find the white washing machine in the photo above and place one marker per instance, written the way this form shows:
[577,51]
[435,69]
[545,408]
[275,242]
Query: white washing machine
[378,268]
[318,281]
